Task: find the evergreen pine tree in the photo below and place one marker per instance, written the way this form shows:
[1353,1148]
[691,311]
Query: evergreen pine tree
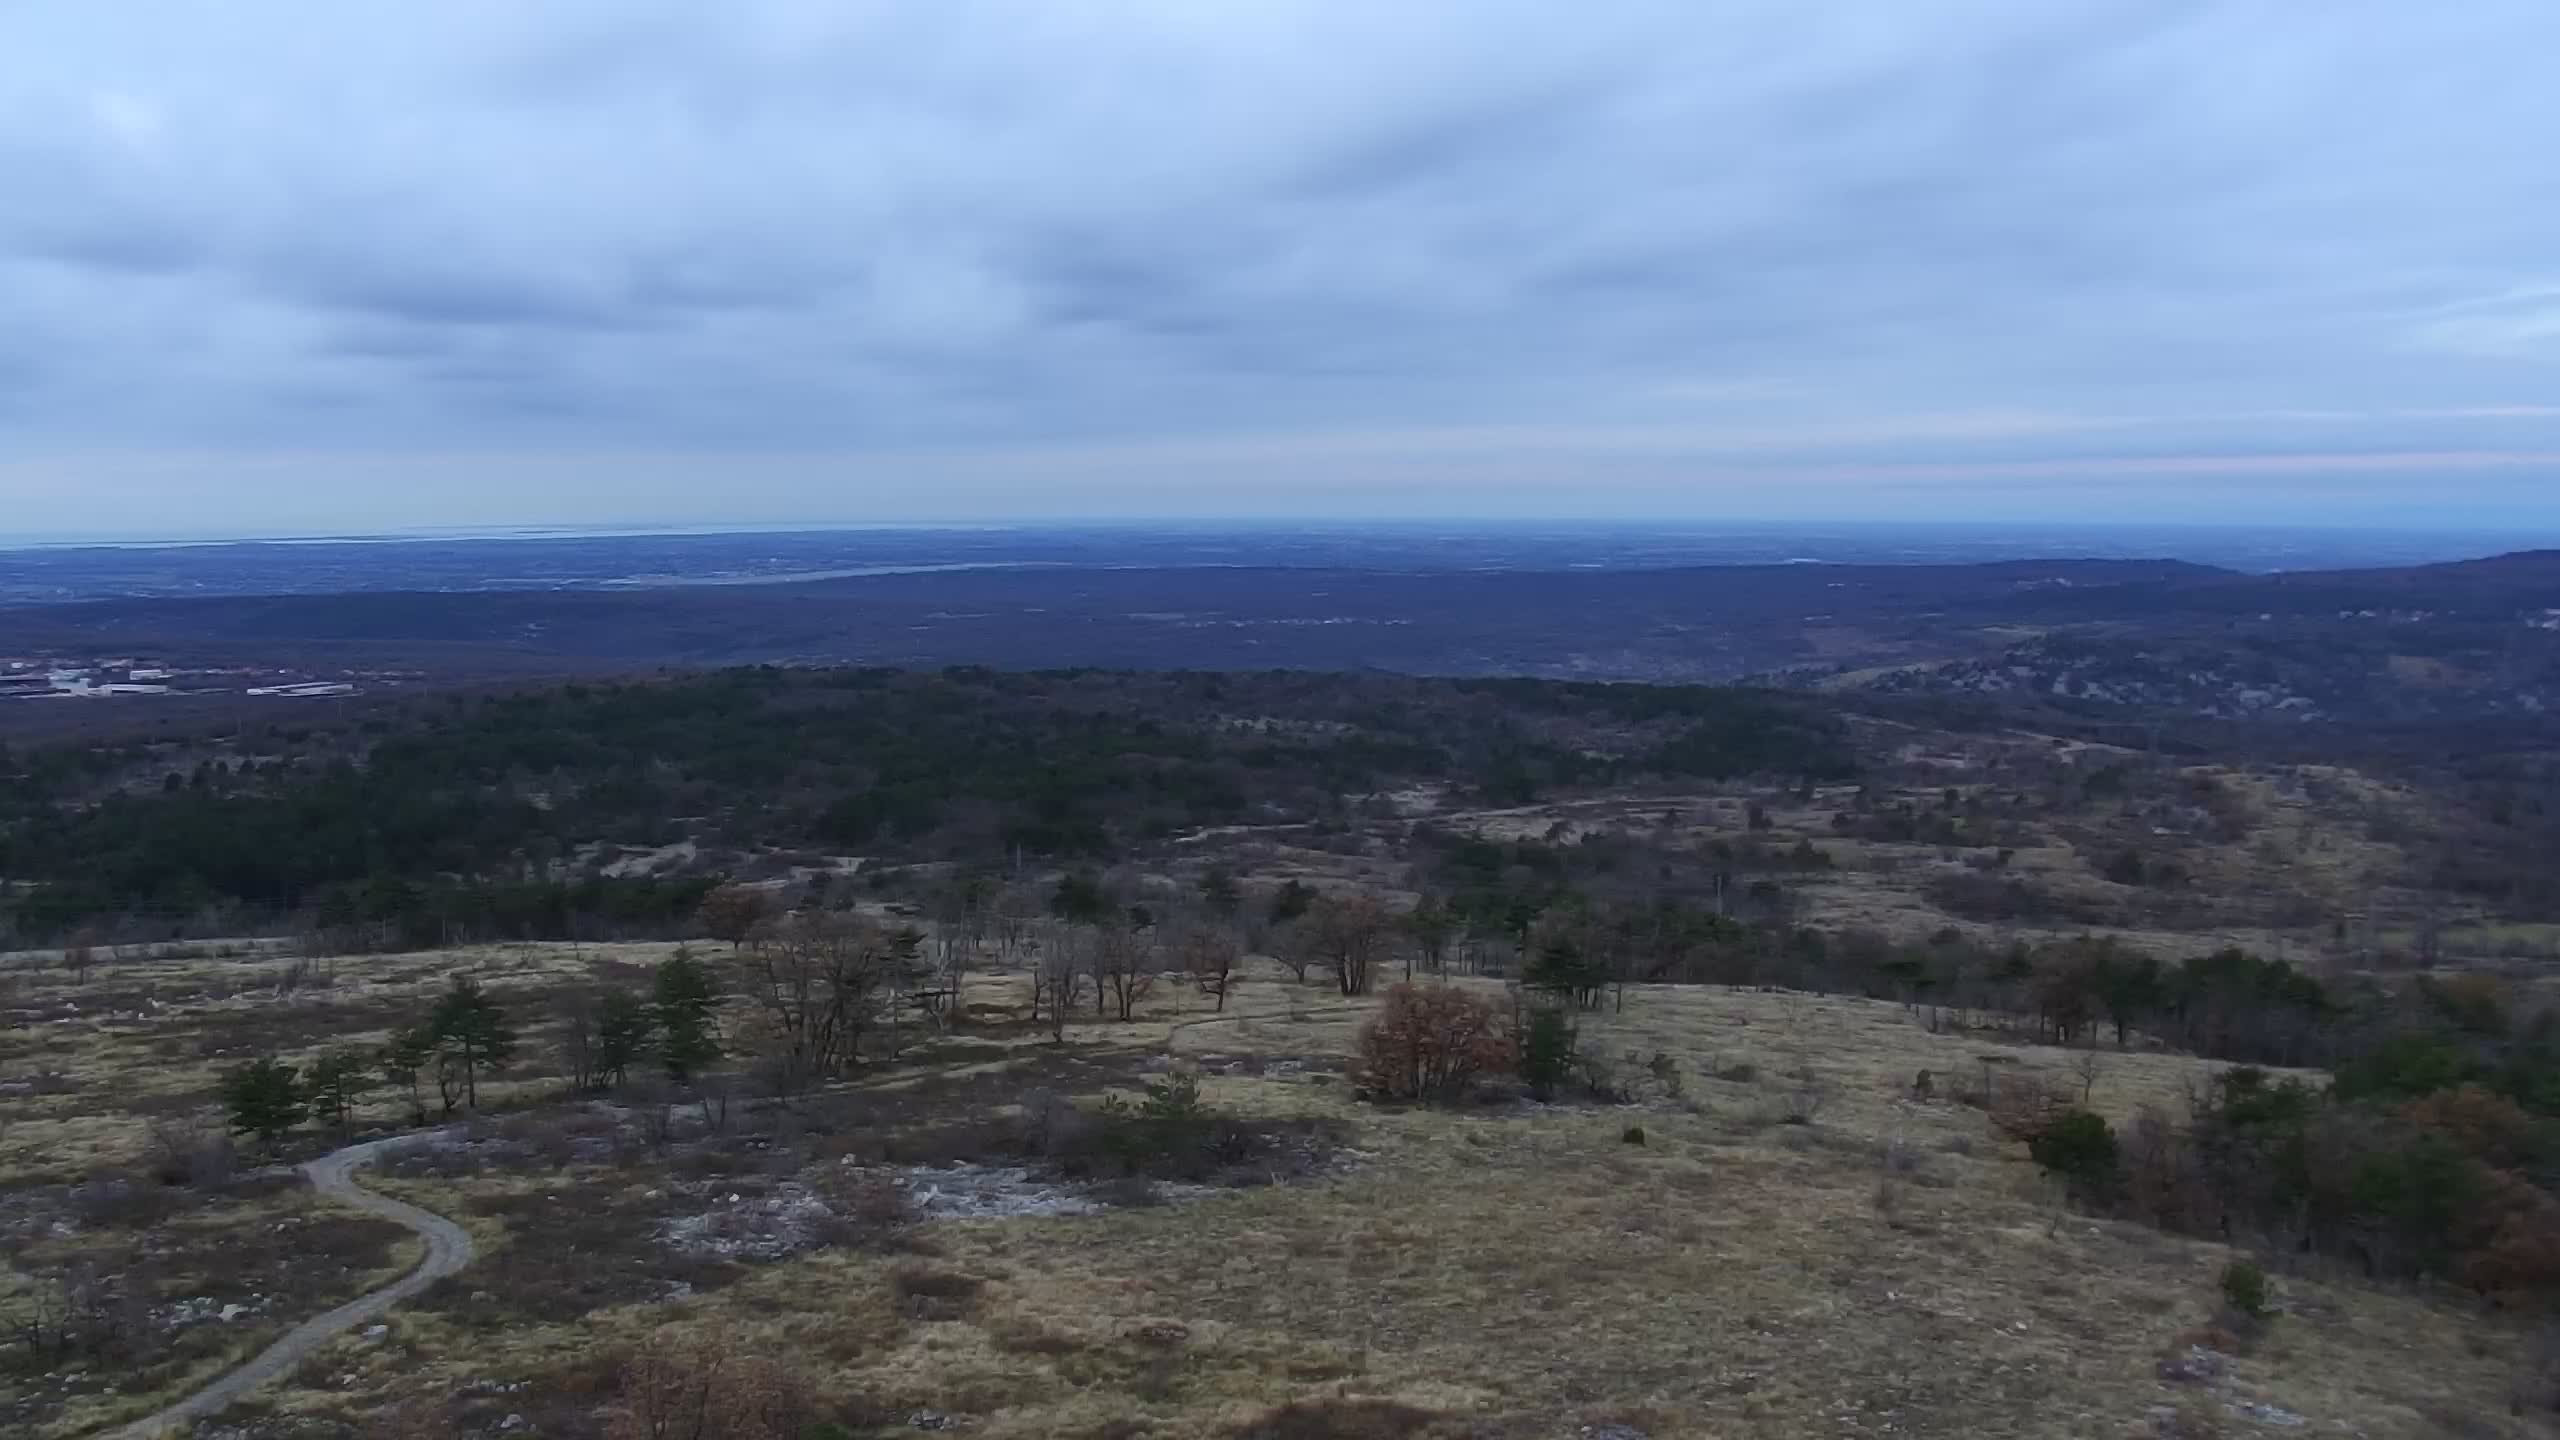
[681,1004]
[624,1027]
[263,1099]
[411,1051]
[471,1031]
[337,1081]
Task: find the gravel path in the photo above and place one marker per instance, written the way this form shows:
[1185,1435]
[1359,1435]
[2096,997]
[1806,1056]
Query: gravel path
[448,1250]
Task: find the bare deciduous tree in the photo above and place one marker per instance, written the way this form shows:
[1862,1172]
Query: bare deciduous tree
[780,1068]
[1124,967]
[1351,934]
[1433,926]
[1013,923]
[903,978]
[80,953]
[88,1311]
[1209,952]
[1058,978]
[578,1045]
[2088,1065]
[958,936]
[817,982]
[733,912]
[1297,946]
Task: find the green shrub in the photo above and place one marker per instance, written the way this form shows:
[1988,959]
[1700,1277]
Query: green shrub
[2244,1289]
[1170,1121]
[2406,1066]
[2081,1148]
[2415,1190]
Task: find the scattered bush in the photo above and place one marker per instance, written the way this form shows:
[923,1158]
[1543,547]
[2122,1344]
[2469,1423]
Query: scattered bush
[2244,1289]
[186,1150]
[86,1312]
[2022,1107]
[107,1199]
[925,1293]
[2163,1179]
[1600,1077]
[1803,1101]
[1052,1125]
[2489,1127]
[868,1212]
[1431,1043]
[2080,1147]
[2514,1228]
[1171,1122]
[679,1387]
[1632,1135]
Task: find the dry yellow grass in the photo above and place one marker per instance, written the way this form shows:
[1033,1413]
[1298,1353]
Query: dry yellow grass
[93,1065]
[146,1038]
[1520,1266]
[1526,1268]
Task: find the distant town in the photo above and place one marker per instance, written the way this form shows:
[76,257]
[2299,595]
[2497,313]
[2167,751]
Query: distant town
[54,678]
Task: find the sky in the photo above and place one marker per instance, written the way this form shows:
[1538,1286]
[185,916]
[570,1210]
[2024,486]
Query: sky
[283,267]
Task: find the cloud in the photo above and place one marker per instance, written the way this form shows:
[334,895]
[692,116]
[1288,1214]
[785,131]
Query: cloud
[2519,323]
[1415,241]
[130,120]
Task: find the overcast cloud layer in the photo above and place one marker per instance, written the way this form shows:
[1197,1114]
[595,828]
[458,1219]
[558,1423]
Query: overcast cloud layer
[296,266]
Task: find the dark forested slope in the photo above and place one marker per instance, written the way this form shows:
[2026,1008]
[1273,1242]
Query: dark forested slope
[968,764]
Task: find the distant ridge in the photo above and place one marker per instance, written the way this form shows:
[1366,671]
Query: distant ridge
[1685,623]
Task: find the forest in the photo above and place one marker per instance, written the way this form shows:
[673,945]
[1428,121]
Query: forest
[487,808]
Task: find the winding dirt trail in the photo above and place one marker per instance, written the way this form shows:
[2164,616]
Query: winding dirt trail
[448,1250]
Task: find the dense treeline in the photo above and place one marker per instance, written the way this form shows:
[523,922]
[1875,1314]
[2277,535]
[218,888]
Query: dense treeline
[1626,911]
[2434,1153]
[484,797]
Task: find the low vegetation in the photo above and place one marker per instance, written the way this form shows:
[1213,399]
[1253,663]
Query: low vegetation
[1251,1056]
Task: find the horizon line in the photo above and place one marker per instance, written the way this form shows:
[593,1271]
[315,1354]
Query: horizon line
[1668,524]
